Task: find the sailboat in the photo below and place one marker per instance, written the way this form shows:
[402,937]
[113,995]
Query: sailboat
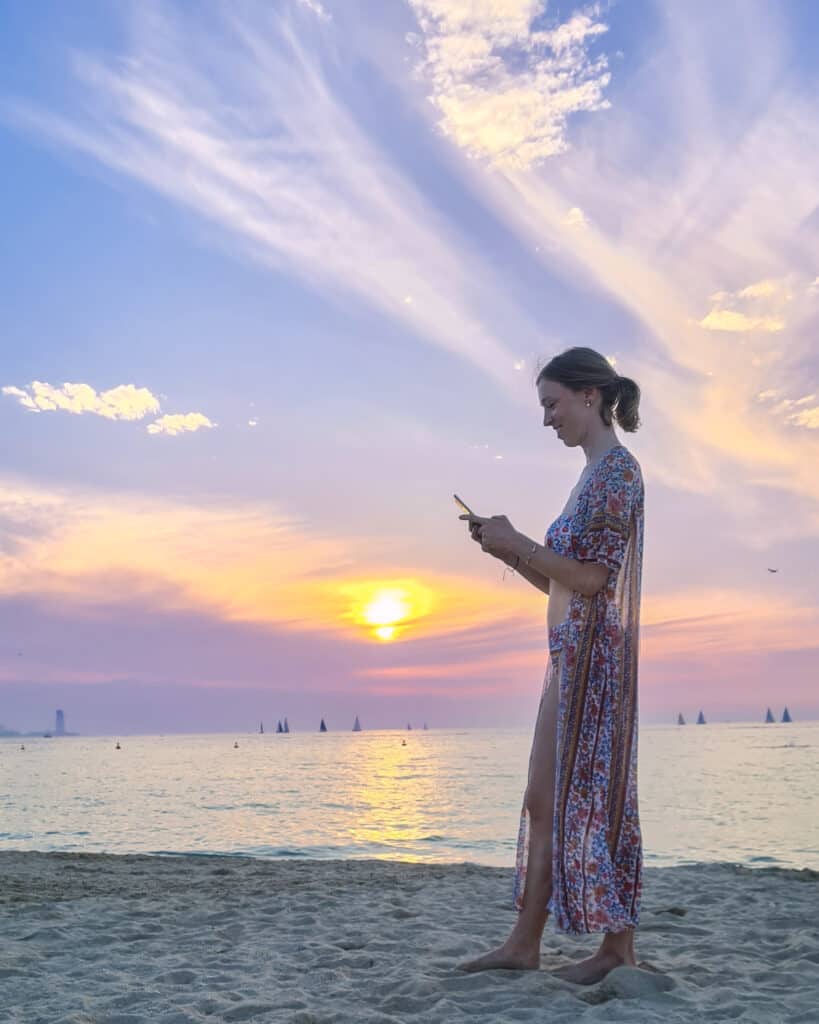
[286,726]
[356,725]
[279,726]
[769,716]
[322,727]
[409,727]
[261,728]
[701,719]
[680,719]
[786,716]
[425,726]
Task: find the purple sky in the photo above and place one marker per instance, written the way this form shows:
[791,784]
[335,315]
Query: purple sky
[278,281]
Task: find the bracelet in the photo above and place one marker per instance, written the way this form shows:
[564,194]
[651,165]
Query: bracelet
[512,567]
[529,556]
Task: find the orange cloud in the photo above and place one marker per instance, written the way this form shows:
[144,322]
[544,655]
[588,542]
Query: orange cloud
[241,563]
[724,621]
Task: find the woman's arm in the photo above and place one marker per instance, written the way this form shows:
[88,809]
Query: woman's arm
[585,577]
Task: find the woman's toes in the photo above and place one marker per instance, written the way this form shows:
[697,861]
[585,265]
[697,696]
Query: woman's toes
[502,959]
[589,972]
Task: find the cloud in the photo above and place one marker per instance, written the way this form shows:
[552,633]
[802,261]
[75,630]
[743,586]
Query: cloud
[791,409]
[298,181]
[730,320]
[504,89]
[760,290]
[724,621]
[124,402]
[726,185]
[806,418]
[316,8]
[575,218]
[86,553]
[179,423]
[756,307]
[153,566]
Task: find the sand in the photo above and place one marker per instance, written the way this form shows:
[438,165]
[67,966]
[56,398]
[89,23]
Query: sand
[97,939]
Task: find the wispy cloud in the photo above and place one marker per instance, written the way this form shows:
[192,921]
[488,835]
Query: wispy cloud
[318,9]
[240,561]
[233,115]
[695,210]
[504,88]
[725,621]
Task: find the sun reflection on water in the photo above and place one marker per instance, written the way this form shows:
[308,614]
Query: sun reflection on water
[393,786]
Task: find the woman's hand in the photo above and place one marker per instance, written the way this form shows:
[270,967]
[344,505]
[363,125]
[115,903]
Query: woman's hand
[495,535]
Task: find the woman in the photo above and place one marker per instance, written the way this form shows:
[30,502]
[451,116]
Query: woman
[579,848]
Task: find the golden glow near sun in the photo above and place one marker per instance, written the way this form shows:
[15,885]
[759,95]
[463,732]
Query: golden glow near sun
[386,609]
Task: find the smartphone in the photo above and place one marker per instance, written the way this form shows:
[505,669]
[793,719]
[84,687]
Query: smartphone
[463,505]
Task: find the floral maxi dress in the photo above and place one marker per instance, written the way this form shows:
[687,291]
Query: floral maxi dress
[597,847]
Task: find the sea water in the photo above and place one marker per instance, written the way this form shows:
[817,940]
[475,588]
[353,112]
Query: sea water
[740,793]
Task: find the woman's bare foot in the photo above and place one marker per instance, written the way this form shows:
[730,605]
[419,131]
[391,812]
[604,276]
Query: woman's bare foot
[589,972]
[506,958]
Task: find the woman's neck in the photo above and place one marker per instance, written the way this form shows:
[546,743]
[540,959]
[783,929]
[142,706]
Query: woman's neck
[595,448]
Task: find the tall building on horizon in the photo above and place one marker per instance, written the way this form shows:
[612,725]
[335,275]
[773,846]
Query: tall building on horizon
[60,730]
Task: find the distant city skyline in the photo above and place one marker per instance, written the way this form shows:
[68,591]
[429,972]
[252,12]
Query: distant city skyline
[151,710]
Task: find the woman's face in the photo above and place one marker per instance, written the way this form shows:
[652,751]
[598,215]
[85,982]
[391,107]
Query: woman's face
[565,411]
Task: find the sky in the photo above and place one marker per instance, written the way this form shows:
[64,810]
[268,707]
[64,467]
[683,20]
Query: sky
[277,278]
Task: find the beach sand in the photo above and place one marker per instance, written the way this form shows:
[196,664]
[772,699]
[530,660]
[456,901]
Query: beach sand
[98,939]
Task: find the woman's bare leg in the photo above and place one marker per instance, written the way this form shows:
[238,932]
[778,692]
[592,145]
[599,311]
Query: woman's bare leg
[521,951]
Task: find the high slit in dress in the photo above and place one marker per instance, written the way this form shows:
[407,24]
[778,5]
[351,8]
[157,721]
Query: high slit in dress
[597,856]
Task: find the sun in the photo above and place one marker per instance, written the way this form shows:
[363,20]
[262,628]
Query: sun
[386,609]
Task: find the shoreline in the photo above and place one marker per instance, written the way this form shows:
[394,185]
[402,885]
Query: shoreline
[125,938]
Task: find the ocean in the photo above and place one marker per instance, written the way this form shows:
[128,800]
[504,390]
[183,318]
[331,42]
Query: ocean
[746,794]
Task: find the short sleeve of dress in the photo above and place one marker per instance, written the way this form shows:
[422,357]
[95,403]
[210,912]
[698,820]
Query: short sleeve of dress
[613,497]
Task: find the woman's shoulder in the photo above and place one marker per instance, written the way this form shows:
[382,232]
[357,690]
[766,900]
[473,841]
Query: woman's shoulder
[623,462]
[620,474]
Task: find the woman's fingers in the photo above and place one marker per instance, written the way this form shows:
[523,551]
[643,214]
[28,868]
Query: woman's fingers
[475,528]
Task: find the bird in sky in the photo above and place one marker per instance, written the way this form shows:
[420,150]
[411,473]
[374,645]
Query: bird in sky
[773,570]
